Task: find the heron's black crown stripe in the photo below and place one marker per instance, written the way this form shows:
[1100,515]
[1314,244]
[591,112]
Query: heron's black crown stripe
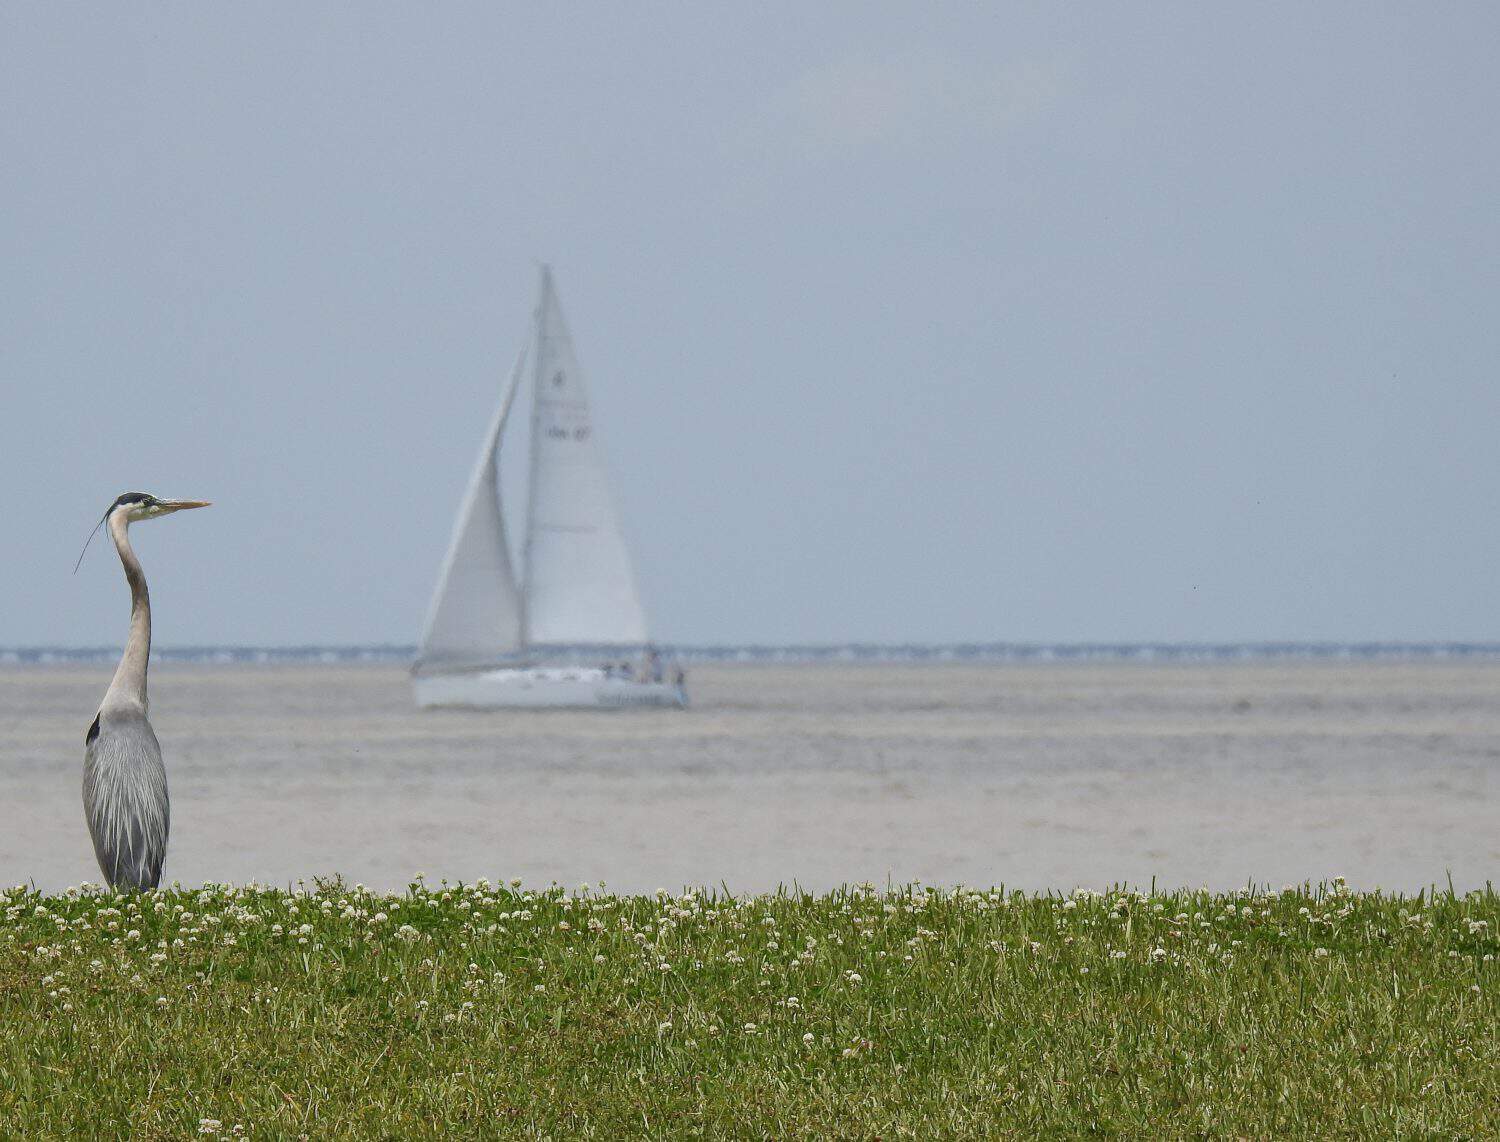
[93,732]
[135,498]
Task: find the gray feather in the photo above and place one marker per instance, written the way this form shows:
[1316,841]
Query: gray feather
[125,799]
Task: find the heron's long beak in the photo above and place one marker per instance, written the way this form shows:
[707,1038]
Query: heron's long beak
[182,505]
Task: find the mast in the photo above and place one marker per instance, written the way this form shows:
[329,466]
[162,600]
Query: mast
[544,282]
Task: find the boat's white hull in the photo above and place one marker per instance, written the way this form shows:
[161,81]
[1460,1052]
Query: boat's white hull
[542,688]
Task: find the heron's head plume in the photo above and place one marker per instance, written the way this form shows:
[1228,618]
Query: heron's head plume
[138,506]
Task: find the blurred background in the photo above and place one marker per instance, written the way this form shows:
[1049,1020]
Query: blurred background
[904,324]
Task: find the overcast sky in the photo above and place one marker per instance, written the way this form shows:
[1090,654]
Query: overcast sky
[931,322]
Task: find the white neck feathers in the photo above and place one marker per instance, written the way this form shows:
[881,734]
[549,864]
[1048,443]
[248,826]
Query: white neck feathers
[129,684]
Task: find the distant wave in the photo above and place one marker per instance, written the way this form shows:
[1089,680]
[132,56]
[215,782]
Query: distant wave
[844,652]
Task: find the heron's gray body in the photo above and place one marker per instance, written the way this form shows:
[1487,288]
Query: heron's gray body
[125,799]
[124,781]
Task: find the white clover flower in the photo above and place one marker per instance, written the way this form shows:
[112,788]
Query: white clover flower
[209,1125]
[1320,953]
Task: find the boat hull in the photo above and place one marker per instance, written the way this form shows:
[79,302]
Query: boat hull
[541,689]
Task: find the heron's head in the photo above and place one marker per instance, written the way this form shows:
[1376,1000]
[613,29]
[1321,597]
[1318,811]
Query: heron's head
[142,506]
[133,507]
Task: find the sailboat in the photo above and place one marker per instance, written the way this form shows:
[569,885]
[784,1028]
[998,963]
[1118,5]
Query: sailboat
[570,631]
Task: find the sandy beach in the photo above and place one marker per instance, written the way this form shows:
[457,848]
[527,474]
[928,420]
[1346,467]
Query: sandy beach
[1050,776]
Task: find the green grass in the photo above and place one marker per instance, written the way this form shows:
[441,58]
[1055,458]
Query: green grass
[485,1010]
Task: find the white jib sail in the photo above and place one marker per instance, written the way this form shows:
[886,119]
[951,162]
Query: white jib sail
[475,615]
[580,587]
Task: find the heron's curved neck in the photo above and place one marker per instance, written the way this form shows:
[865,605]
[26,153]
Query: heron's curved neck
[130,676]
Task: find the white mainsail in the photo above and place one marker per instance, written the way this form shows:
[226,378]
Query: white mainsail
[579,585]
[475,615]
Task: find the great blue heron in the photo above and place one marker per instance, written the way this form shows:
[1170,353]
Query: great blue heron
[124,781]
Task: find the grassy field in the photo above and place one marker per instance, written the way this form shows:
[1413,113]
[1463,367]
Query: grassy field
[487,1010]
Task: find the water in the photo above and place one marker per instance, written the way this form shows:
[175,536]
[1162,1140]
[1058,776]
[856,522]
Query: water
[1048,775]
